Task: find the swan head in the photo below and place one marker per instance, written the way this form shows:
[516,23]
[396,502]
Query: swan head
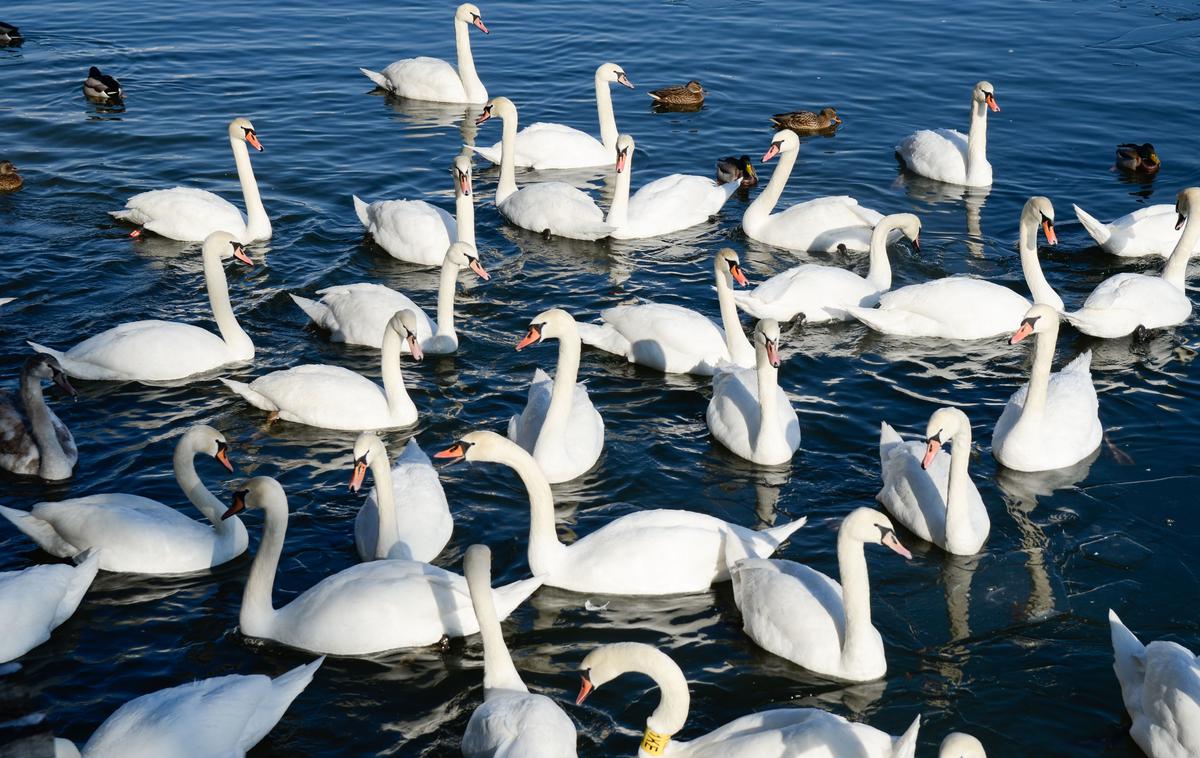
[869,526]
[766,334]
[608,662]
[1186,201]
[260,492]
[625,145]
[942,426]
[461,170]
[1038,319]
[784,141]
[1039,210]
[728,264]
[986,93]
[907,224]
[404,323]
[960,745]
[225,245]
[464,255]
[552,324]
[202,438]
[611,72]
[366,447]
[476,446]
[468,13]
[497,107]
[44,367]
[242,129]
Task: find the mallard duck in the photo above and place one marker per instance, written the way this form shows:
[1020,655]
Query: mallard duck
[10,180]
[734,169]
[102,88]
[1138,159]
[688,94]
[806,121]
[10,35]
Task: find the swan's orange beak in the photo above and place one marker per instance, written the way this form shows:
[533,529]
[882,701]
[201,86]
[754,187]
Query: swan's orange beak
[239,504]
[454,453]
[533,335]
[223,456]
[252,138]
[738,275]
[1048,228]
[990,99]
[477,267]
[772,151]
[1023,332]
[621,159]
[487,113]
[585,689]
[239,252]
[414,347]
[931,448]
[360,473]
[478,22]
[773,353]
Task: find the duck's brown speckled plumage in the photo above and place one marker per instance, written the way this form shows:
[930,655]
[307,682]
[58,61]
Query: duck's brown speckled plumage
[1138,159]
[10,180]
[806,121]
[687,94]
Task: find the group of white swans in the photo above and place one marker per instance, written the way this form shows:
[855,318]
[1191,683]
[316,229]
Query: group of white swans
[395,598]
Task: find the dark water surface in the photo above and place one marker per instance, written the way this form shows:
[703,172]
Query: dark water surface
[1011,645]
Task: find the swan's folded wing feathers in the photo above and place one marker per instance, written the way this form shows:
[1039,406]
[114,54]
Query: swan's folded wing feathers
[687,198]
[527,425]
[425,78]
[18,450]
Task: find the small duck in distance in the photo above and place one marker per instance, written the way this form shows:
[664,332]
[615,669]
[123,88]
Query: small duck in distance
[102,88]
[734,169]
[690,95]
[1138,159]
[807,121]
[10,35]
[10,180]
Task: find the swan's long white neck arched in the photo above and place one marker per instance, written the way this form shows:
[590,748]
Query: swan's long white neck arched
[499,673]
[735,338]
[562,397]
[53,461]
[447,286]
[762,206]
[393,377]
[879,272]
[385,499]
[1175,270]
[235,338]
[604,112]
[258,612]
[508,145]
[856,598]
[957,488]
[770,434]
[618,212]
[472,86]
[1039,375]
[197,494]
[1031,267]
[675,700]
[258,224]
[977,143]
[545,551]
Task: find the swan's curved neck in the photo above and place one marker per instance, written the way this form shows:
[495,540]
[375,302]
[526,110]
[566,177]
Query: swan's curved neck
[53,461]
[1039,376]
[762,206]
[674,698]
[385,499]
[604,111]
[544,548]
[474,88]
[1039,287]
[393,377]
[770,433]
[258,225]
[197,494]
[508,169]
[956,488]
[258,611]
[499,673]
[1175,270]
[464,215]
[447,283]
[618,212]
[856,598]
[977,139]
[735,338]
[879,274]
[236,339]
[562,397]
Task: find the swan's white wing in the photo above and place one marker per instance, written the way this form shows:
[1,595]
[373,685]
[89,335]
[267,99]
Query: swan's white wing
[330,397]
[547,145]
[1170,702]
[36,600]
[956,307]
[938,154]
[671,203]
[821,293]
[361,312]
[556,207]
[823,223]
[423,520]
[412,230]
[791,733]
[147,351]
[183,213]
[424,78]
[669,338]
[518,725]
[525,427]
[1134,292]
[915,498]
[733,410]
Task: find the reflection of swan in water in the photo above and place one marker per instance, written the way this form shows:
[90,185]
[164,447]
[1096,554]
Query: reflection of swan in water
[930,192]
[425,114]
[957,573]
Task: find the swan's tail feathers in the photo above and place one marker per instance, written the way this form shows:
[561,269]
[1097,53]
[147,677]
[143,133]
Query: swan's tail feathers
[590,232]
[125,214]
[491,154]
[780,533]
[604,337]
[897,322]
[1129,661]
[255,398]
[1094,226]
[56,354]
[905,745]
[284,689]
[888,438]
[317,311]
[510,596]
[734,551]
[40,532]
[379,79]
[361,210]
[88,564]
[65,748]
[749,304]
[1081,365]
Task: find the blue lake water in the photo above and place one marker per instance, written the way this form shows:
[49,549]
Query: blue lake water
[1011,645]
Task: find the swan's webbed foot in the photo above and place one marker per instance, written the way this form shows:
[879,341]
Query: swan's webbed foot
[546,234]
[1141,334]
[443,644]
[841,248]
[272,417]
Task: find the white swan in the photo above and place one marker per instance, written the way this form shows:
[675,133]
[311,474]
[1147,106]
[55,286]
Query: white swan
[1160,684]
[545,207]
[558,426]
[929,491]
[223,716]
[33,440]
[546,145]
[674,202]
[419,232]
[420,527]
[822,224]
[946,155]
[798,613]
[674,339]
[334,397]
[138,535]
[777,733]
[1146,231]
[749,412]
[36,600]
[367,608]
[511,722]
[192,215]
[358,314]
[654,552]
[822,293]
[1052,421]
[963,307]
[6,300]
[961,745]
[434,79]
[148,351]
[1122,303]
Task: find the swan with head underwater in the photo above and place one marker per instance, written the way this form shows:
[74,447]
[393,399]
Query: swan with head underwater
[554,208]
[358,314]
[945,155]
[650,552]
[964,307]
[33,439]
[367,608]
[776,733]
[433,79]
[823,224]
[1124,303]
[674,339]
[823,293]
[550,146]
[149,351]
[192,215]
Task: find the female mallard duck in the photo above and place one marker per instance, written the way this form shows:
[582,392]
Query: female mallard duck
[10,35]
[1138,159]
[688,94]
[806,121]
[10,180]
[33,441]
[733,169]
[102,88]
